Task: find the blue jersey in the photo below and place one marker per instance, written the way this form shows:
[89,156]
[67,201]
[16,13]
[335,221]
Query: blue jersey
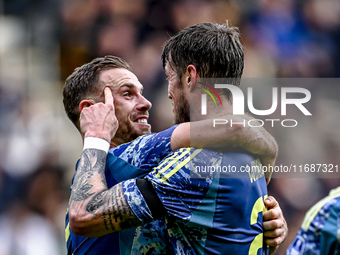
[320,229]
[214,201]
[145,153]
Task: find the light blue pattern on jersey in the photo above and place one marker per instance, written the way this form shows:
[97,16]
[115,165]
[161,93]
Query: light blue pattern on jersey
[138,205]
[320,230]
[210,212]
[152,238]
[146,151]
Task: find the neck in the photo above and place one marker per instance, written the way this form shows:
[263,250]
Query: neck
[213,111]
[116,142]
[113,144]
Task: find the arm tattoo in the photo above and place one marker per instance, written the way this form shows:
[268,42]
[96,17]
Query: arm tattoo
[96,202]
[91,162]
[108,206]
[113,208]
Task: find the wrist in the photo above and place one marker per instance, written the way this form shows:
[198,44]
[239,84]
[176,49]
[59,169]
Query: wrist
[96,143]
[101,135]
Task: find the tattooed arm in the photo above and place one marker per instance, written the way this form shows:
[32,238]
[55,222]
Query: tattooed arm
[95,210]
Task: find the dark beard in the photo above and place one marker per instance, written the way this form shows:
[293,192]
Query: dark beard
[127,134]
[182,113]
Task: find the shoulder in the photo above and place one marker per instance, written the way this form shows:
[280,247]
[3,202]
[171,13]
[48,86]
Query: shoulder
[322,219]
[135,144]
[154,141]
[187,164]
[319,211]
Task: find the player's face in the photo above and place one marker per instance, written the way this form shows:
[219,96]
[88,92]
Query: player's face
[130,106]
[179,96]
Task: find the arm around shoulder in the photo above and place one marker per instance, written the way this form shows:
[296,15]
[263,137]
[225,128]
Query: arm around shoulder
[234,133]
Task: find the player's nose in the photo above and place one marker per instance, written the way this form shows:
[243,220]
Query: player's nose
[144,104]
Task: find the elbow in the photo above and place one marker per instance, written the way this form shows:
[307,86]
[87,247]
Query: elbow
[83,223]
[79,222]
[273,151]
[276,149]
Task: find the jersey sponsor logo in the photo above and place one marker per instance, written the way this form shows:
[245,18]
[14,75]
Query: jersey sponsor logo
[281,99]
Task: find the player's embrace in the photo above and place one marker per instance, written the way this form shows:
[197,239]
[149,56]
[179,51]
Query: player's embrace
[176,210]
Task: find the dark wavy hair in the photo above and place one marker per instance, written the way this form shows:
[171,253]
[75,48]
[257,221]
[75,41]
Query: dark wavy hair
[214,49]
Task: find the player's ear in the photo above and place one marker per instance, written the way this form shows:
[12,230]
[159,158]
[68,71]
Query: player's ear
[192,75]
[85,103]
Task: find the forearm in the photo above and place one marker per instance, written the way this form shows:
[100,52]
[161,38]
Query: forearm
[233,134]
[96,210]
[208,134]
[233,131]
[203,134]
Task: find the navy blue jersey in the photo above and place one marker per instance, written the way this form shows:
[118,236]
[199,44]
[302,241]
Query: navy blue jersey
[214,201]
[144,153]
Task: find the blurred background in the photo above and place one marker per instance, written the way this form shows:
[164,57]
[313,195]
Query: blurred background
[42,41]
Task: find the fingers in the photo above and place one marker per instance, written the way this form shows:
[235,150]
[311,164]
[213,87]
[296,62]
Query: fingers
[275,237]
[275,232]
[274,224]
[97,119]
[108,96]
[272,214]
[271,203]
[271,226]
[274,242]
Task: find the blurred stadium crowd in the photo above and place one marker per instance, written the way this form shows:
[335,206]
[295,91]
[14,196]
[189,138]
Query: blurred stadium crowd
[43,41]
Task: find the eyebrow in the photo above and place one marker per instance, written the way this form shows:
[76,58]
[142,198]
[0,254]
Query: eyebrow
[131,86]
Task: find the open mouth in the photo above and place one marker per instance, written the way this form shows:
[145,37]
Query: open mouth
[145,121]
[141,119]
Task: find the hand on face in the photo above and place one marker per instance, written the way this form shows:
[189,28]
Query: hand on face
[99,120]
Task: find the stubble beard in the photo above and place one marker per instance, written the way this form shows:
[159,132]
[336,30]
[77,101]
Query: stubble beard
[182,112]
[128,133]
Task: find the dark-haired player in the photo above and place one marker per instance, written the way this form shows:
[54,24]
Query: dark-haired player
[96,210]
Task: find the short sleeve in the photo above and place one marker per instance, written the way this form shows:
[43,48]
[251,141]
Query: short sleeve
[191,189]
[179,193]
[136,201]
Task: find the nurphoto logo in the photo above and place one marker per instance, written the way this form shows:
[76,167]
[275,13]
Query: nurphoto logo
[239,104]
